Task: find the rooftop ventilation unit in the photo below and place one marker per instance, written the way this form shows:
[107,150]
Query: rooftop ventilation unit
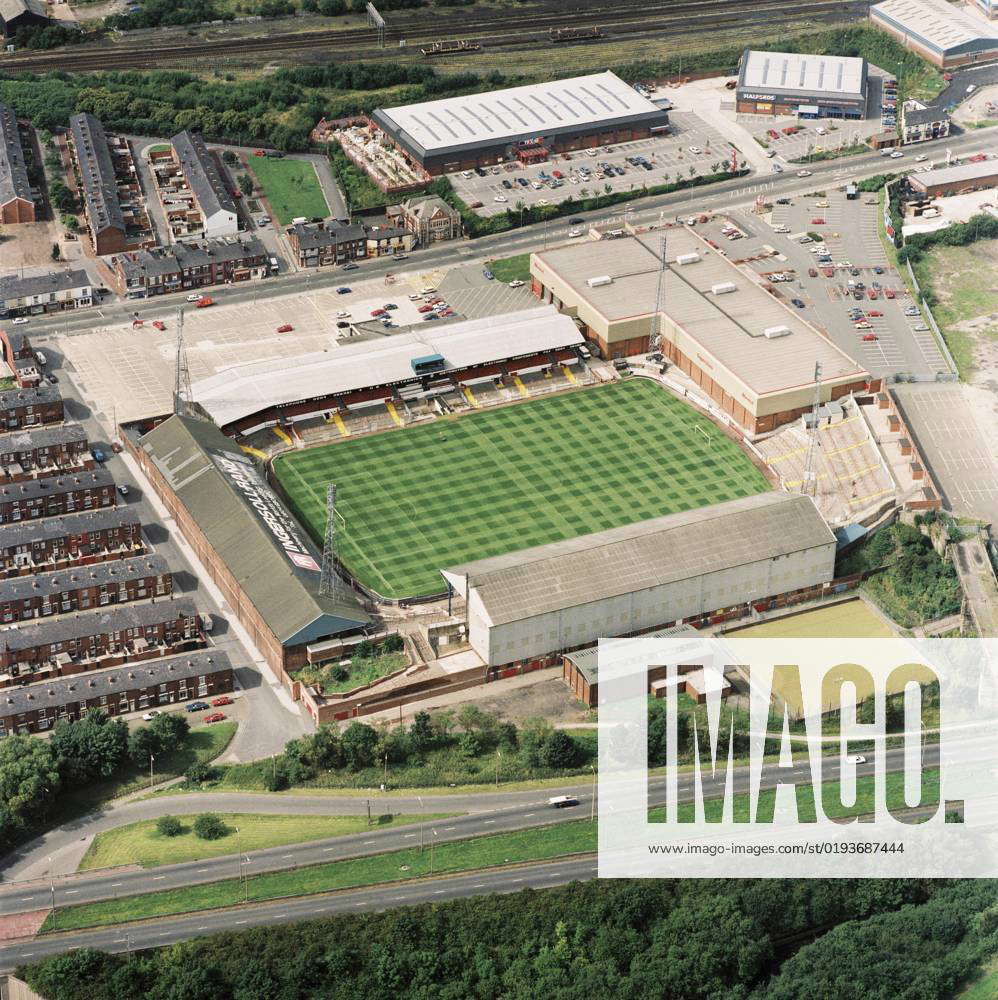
[723,287]
[687,258]
[599,282]
[772,332]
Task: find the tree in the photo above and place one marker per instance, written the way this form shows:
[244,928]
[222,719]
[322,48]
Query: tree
[327,748]
[90,749]
[470,717]
[421,735]
[210,826]
[246,184]
[143,744]
[559,750]
[359,744]
[62,197]
[471,744]
[364,650]
[229,158]
[169,826]
[55,251]
[29,777]
[171,730]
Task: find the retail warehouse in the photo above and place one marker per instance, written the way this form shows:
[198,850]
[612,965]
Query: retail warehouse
[682,568]
[938,31]
[801,84]
[751,354]
[526,123]
[252,548]
[406,365]
[961,179]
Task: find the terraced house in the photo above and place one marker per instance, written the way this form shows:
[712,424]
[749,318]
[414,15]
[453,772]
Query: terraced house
[30,407]
[29,453]
[56,495]
[69,540]
[33,708]
[24,598]
[16,201]
[202,180]
[35,295]
[90,640]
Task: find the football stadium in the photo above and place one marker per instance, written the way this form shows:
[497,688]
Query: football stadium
[462,488]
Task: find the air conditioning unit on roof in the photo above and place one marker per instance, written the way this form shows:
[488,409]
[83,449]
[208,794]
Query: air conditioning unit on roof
[603,279]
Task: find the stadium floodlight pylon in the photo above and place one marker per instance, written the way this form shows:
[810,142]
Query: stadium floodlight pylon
[654,341]
[809,483]
[328,577]
[182,396]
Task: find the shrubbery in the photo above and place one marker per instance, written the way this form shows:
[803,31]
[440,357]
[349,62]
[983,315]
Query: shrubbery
[169,826]
[210,826]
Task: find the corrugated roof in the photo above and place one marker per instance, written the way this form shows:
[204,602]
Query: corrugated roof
[634,557]
[727,327]
[943,26]
[247,389]
[507,115]
[788,72]
[262,545]
[587,660]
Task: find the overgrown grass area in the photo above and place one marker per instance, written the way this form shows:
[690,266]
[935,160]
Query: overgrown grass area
[360,671]
[573,837]
[142,844]
[291,187]
[516,268]
[959,283]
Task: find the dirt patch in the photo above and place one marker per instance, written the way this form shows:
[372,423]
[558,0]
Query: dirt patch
[21,925]
[551,700]
[30,245]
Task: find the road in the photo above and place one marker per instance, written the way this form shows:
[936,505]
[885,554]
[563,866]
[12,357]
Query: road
[724,194]
[166,930]
[487,813]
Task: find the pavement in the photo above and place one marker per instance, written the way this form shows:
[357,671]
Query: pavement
[485,813]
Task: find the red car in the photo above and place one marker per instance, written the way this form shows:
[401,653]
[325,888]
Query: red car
[871,293]
[889,293]
[259,152]
[215,717]
[285,328]
[812,272]
[425,309]
[874,312]
[773,134]
[221,700]
[159,324]
[869,336]
[817,222]
[558,174]
[828,272]
[379,312]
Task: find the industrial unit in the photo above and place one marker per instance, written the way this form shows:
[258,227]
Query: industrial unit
[938,31]
[960,179]
[682,568]
[526,123]
[248,542]
[752,355]
[801,84]
[282,390]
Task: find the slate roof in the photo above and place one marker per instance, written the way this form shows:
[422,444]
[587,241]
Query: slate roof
[99,183]
[113,571]
[13,286]
[202,174]
[62,525]
[13,172]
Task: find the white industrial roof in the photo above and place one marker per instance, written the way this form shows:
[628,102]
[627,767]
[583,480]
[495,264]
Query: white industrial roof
[636,557]
[728,327]
[247,389]
[503,115]
[779,71]
[942,25]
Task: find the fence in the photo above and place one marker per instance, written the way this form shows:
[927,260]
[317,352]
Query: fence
[952,375]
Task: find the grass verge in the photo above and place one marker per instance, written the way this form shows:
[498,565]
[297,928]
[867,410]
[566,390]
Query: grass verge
[140,843]
[539,844]
[515,268]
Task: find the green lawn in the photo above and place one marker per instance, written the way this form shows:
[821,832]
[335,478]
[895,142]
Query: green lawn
[512,268]
[360,671]
[291,187]
[576,837]
[417,500]
[140,843]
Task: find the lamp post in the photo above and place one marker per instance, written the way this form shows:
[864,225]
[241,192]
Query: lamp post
[498,759]
[152,760]
[52,881]
[592,804]
[420,797]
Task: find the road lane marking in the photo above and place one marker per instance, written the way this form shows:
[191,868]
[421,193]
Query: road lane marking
[27,899]
[201,871]
[447,829]
[287,855]
[438,892]
[366,842]
[71,892]
[326,850]
[158,878]
[240,921]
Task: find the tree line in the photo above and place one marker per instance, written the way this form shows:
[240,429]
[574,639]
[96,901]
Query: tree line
[34,772]
[683,939]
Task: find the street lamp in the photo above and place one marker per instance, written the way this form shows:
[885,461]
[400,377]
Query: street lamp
[152,760]
[431,851]
[498,759]
[52,881]
[420,797]
[592,804]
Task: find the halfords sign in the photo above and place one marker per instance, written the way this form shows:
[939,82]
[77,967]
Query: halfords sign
[267,507]
[810,758]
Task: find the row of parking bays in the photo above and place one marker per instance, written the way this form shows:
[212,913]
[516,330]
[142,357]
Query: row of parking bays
[850,273]
[691,142]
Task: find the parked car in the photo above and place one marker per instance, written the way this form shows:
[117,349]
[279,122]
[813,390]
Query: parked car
[425,309]
[20,321]
[799,303]
[123,490]
[889,293]
[215,717]
[874,312]
[812,272]
[508,185]
[817,221]
[223,699]
[51,378]
[390,306]
[196,706]
[350,266]
[285,328]
[343,290]
[869,336]
[878,270]
[516,283]
[378,312]
[98,455]
[488,274]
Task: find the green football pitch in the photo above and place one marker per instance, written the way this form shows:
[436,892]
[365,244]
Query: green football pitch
[418,500]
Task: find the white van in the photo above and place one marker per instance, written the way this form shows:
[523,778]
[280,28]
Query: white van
[301,220]
[428,290]
[41,359]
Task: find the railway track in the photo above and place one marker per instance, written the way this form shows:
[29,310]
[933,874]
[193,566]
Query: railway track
[494,31]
